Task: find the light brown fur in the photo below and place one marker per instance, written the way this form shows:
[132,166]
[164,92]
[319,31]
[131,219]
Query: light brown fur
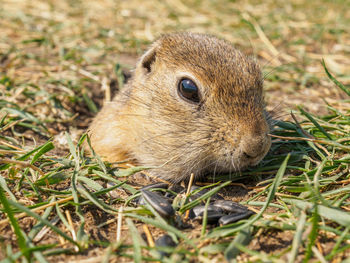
[149,122]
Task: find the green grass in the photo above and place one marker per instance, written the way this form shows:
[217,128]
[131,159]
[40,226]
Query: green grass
[308,198]
[58,203]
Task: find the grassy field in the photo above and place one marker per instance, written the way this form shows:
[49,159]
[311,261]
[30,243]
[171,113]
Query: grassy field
[59,60]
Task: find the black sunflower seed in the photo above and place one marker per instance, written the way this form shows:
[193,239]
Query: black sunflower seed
[199,210]
[212,217]
[165,241]
[159,203]
[232,218]
[230,207]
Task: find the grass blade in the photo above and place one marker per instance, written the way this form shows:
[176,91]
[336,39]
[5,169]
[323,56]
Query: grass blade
[43,221]
[84,192]
[307,115]
[43,149]
[312,235]
[297,238]
[136,241]
[341,217]
[335,81]
[205,218]
[4,186]
[243,238]
[7,209]
[163,226]
[203,197]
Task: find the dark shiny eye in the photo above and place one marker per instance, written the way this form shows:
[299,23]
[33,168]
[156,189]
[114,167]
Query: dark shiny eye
[189,90]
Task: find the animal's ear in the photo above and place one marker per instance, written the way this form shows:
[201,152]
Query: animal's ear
[148,59]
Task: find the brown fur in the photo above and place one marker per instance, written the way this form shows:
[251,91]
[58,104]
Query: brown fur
[149,122]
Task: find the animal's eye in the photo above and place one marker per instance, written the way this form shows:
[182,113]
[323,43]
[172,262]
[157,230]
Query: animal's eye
[189,90]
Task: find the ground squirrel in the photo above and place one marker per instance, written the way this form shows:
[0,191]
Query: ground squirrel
[194,105]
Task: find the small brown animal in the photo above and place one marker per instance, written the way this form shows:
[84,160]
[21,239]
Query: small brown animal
[194,105]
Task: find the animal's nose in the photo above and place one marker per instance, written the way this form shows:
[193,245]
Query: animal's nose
[251,155]
[255,147]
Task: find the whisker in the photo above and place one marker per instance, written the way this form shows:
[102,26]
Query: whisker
[275,68]
[269,61]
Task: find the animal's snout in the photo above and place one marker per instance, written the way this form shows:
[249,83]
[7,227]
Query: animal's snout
[254,148]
